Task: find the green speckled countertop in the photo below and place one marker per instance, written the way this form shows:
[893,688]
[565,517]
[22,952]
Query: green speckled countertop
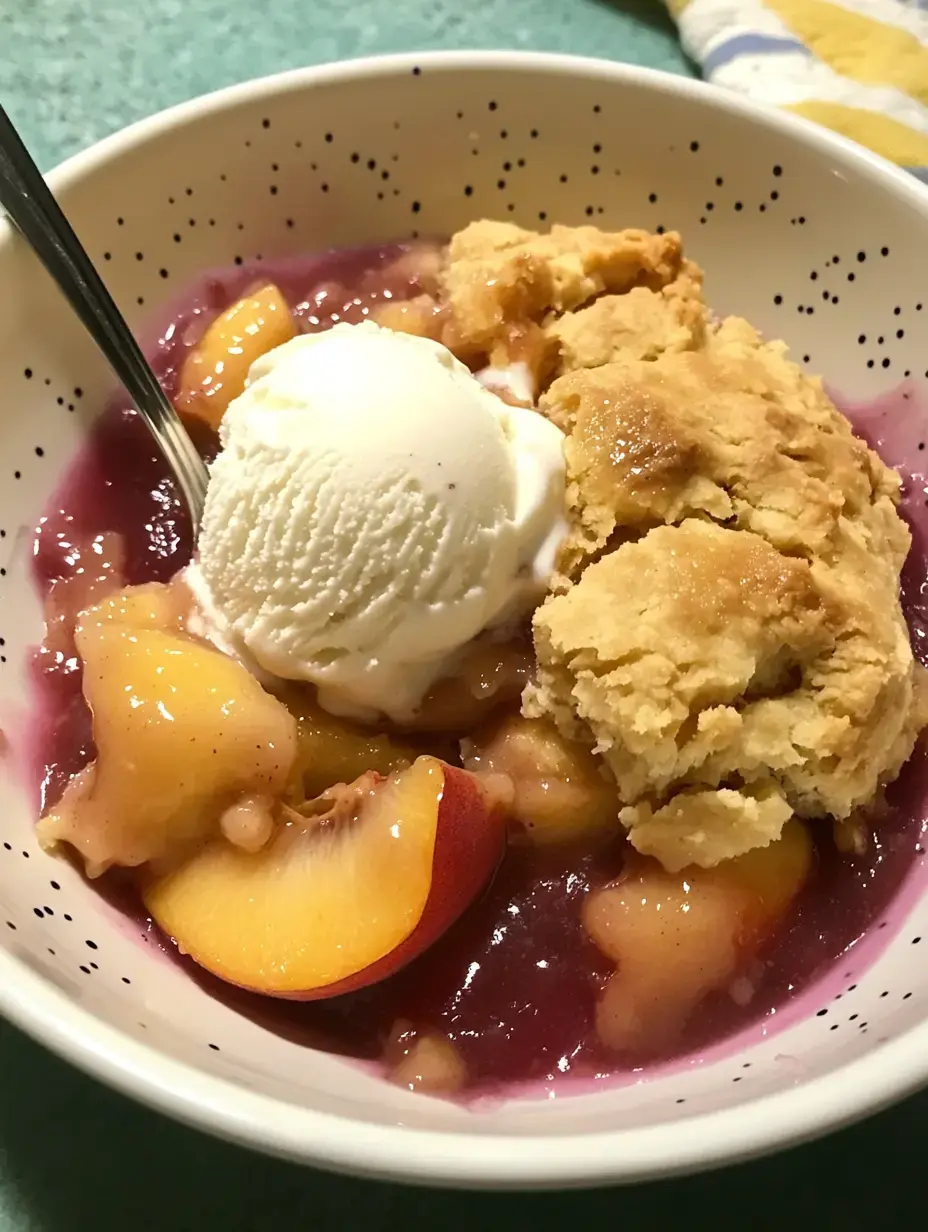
[71,71]
[74,1156]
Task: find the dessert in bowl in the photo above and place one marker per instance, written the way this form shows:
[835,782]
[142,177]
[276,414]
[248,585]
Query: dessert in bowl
[537,714]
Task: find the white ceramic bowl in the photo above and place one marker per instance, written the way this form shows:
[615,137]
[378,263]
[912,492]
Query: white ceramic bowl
[763,200]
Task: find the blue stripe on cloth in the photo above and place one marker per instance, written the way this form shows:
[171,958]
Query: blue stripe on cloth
[920,173]
[749,45]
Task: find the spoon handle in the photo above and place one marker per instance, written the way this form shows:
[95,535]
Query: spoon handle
[35,213]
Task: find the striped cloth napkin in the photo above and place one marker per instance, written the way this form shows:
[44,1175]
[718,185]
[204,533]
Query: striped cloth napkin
[857,66]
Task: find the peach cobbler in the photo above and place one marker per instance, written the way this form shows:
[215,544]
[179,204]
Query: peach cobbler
[533,700]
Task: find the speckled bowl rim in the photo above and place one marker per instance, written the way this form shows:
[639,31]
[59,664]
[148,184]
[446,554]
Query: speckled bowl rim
[395,1152]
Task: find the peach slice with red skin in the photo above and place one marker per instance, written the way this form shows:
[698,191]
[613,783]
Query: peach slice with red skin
[335,903]
[676,937]
[215,371]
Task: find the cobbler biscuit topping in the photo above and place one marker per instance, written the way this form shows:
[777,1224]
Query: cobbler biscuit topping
[728,633]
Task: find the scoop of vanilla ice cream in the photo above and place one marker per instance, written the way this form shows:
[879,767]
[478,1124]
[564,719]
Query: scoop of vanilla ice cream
[372,509]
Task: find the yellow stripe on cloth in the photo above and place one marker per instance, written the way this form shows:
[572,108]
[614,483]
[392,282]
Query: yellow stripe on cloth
[858,47]
[879,133]
[677,6]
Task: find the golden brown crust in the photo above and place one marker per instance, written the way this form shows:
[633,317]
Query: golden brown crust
[734,432]
[725,627]
[640,324]
[703,657]
[497,274]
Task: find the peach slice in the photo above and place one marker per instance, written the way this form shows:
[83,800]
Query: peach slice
[335,903]
[153,605]
[413,272]
[561,790]
[215,370]
[101,564]
[678,936]
[181,732]
[420,316]
[331,750]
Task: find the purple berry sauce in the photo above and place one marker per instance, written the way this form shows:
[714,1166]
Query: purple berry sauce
[514,982]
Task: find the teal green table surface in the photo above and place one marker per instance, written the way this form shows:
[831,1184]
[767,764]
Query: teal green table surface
[75,1156]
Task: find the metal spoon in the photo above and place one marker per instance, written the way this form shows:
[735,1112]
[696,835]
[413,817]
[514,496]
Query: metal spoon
[35,213]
